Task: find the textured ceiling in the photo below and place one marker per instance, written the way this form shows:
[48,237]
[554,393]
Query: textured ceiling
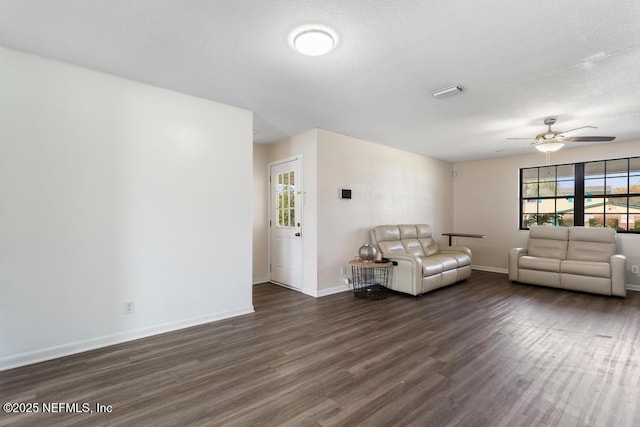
[519,61]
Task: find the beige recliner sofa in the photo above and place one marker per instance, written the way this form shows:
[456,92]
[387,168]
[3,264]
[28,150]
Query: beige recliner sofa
[574,258]
[420,264]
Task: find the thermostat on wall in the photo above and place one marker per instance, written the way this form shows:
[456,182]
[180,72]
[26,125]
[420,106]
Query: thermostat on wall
[345,193]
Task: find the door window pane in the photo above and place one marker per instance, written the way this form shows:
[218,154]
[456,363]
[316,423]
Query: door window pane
[286,199]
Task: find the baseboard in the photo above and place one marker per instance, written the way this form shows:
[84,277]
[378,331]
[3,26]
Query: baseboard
[631,287]
[335,290]
[325,292]
[260,280]
[490,269]
[42,355]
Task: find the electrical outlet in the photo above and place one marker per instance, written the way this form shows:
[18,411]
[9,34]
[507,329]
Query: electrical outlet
[129,307]
[634,269]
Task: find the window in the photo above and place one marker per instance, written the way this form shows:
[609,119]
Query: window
[285,189]
[603,193]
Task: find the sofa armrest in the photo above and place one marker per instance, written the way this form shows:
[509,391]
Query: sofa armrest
[449,249]
[618,275]
[407,274]
[514,255]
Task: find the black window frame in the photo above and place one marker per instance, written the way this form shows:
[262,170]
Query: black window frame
[579,194]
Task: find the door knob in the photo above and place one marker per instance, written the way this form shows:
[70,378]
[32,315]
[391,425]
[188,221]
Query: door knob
[298,234]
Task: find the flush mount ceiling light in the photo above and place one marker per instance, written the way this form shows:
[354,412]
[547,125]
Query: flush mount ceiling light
[451,90]
[548,147]
[313,41]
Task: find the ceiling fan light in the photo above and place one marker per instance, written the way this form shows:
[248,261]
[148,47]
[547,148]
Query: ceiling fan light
[549,147]
[314,42]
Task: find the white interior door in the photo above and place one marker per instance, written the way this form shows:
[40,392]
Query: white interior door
[285,219]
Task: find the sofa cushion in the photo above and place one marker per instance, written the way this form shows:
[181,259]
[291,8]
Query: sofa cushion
[436,264]
[591,244]
[591,251]
[408,232]
[429,246]
[424,230]
[548,242]
[384,233]
[539,263]
[391,247]
[412,247]
[448,262]
[593,234]
[431,266]
[586,268]
[547,248]
[548,232]
[461,259]
[388,239]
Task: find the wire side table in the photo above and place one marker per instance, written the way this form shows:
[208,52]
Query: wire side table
[370,279]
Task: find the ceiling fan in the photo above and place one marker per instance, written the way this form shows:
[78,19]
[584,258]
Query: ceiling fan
[553,140]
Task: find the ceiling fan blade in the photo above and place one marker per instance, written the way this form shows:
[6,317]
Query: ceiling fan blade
[577,131]
[589,139]
[522,138]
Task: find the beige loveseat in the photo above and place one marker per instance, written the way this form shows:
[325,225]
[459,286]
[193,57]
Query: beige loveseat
[421,265]
[575,258]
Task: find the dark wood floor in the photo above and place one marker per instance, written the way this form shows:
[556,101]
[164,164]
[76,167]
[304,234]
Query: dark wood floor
[484,352]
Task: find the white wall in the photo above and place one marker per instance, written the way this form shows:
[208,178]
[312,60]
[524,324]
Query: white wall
[260,214]
[115,191]
[486,201]
[389,186]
